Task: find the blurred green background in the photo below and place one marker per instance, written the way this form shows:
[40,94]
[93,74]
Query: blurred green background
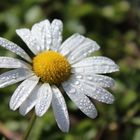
[115,25]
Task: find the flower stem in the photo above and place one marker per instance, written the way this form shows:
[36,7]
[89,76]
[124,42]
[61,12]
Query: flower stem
[30,126]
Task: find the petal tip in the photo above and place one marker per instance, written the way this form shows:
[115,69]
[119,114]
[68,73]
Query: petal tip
[117,67]
[39,114]
[57,20]
[94,115]
[112,100]
[65,130]
[22,113]
[12,107]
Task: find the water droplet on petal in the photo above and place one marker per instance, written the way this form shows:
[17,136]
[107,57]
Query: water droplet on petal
[85,54]
[77,82]
[72,90]
[79,76]
[89,78]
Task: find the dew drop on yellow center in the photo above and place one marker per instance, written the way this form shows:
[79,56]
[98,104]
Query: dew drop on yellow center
[51,67]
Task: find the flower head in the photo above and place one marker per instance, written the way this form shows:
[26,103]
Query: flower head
[55,64]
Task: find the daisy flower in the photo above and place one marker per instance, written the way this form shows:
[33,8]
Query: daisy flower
[56,64]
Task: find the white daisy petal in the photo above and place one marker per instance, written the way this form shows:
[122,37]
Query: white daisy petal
[29,39]
[95,69]
[81,100]
[44,99]
[22,92]
[67,41]
[8,62]
[14,76]
[83,50]
[95,60]
[99,80]
[42,32]
[71,43]
[92,91]
[98,93]
[30,102]
[57,28]
[95,65]
[60,110]
[14,48]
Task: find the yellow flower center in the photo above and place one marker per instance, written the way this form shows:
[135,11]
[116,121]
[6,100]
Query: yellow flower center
[51,67]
